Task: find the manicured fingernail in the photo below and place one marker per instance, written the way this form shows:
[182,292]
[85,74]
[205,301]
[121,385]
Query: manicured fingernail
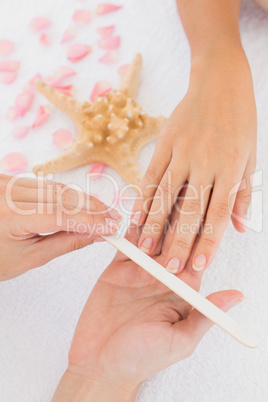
[147,244]
[112,224]
[98,240]
[238,301]
[199,262]
[173,265]
[136,218]
[115,215]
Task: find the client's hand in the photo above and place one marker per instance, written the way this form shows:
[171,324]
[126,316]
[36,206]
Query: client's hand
[31,207]
[131,327]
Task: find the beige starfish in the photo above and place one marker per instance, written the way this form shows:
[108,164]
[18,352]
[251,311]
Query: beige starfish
[111,131]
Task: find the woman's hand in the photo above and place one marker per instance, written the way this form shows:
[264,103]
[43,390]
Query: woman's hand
[131,327]
[209,142]
[29,208]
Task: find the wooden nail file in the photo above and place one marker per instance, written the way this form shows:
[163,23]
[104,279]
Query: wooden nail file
[194,298]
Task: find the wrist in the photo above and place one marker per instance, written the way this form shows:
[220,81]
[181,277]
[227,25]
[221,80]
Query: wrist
[74,387]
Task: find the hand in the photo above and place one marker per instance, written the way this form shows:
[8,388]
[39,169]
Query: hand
[209,143]
[131,327]
[30,207]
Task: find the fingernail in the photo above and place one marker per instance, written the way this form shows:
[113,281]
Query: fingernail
[173,265]
[147,245]
[115,215]
[199,262]
[238,301]
[98,240]
[136,218]
[112,224]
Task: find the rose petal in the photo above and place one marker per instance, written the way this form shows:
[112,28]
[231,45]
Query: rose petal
[44,40]
[68,35]
[8,78]
[20,132]
[109,42]
[105,8]
[100,89]
[39,23]
[30,86]
[77,52]
[6,47]
[105,31]
[66,90]
[109,57]
[24,101]
[42,115]
[13,113]
[82,16]
[64,72]
[63,139]
[97,169]
[123,69]
[9,66]
[14,162]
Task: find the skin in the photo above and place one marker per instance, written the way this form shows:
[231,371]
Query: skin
[131,327]
[28,210]
[207,145]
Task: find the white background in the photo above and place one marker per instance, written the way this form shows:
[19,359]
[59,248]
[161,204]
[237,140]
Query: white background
[39,311]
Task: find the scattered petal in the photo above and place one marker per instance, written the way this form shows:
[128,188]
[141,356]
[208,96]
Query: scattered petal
[66,90]
[77,52]
[30,86]
[13,113]
[97,169]
[14,162]
[123,69]
[82,16]
[105,8]
[6,47]
[106,31]
[8,78]
[39,23]
[9,66]
[24,102]
[63,139]
[44,40]
[100,89]
[68,35]
[42,115]
[109,57]
[109,42]
[64,72]
[20,132]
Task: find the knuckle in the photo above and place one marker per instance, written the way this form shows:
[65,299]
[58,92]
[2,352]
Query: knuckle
[245,199]
[75,244]
[221,210]
[167,188]
[152,173]
[182,244]
[193,206]
[209,242]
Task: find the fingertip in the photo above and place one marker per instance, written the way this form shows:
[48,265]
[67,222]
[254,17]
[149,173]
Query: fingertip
[199,262]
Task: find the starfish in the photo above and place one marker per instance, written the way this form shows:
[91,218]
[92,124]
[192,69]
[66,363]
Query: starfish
[111,130]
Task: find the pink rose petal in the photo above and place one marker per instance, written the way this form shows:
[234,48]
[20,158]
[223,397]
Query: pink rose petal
[63,139]
[42,115]
[24,102]
[82,16]
[66,90]
[109,57]
[9,66]
[39,23]
[13,113]
[97,169]
[68,35]
[77,52]
[44,40]
[20,132]
[106,31]
[64,72]
[105,8]
[123,69]
[30,86]
[14,162]
[109,42]
[100,89]
[6,47]
[8,78]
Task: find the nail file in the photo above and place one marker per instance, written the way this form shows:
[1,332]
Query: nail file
[192,297]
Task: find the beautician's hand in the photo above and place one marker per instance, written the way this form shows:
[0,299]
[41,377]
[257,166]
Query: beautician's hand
[209,142]
[131,327]
[29,208]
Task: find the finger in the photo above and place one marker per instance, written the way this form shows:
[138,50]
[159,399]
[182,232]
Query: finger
[191,216]
[216,222]
[190,331]
[149,184]
[164,200]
